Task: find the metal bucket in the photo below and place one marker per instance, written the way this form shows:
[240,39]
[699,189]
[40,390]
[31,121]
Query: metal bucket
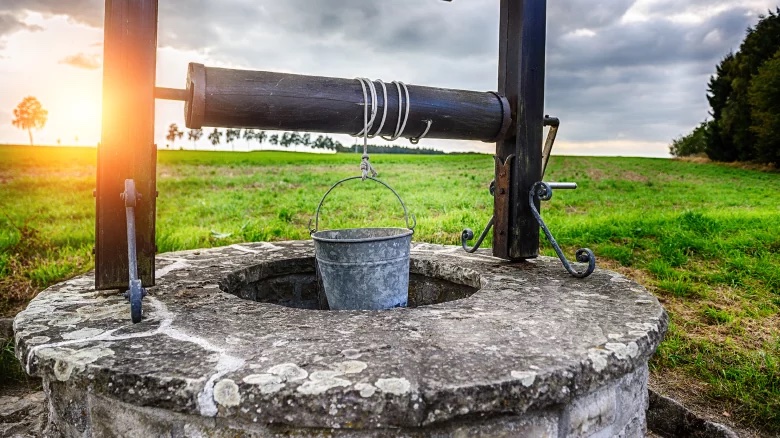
[364,268]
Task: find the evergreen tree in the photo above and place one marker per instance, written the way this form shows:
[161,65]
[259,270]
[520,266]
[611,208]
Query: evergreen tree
[764,97]
[738,98]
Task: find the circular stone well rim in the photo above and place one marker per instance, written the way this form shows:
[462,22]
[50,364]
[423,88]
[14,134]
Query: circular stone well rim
[494,353]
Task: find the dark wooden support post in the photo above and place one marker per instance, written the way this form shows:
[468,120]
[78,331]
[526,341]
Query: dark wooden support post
[127,148]
[521,79]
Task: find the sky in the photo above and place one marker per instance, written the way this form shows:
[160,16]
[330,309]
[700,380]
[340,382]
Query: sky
[624,76]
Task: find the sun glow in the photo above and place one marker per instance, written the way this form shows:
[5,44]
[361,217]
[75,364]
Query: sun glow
[75,119]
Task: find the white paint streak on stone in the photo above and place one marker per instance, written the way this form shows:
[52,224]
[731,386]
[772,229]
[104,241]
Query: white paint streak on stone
[267,246]
[632,349]
[225,363]
[245,249]
[366,389]
[394,385]
[38,340]
[288,372]
[268,383]
[67,360]
[226,393]
[598,358]
[527,378]
[66,320]
[350,367]
[326,374]
[351,354]
[620,350]
[321,381]
[85,333]
[177,264]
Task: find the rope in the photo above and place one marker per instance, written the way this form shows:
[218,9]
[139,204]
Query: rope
[404,107]
[365,164]
[400,127]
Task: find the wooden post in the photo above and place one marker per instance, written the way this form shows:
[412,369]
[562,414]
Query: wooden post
[127,148]
[519,155]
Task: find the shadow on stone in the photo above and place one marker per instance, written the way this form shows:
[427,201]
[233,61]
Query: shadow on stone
[293,283]
[668,418]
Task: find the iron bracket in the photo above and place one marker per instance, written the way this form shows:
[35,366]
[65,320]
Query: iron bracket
[468,234]
[544,192]
[136,291]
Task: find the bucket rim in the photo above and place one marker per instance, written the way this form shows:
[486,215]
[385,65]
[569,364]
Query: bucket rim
[406,233]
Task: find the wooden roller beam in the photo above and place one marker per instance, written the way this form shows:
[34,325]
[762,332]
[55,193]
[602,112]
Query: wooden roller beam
[288,102]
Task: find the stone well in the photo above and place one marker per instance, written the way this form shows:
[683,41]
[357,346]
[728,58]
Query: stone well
[233,344]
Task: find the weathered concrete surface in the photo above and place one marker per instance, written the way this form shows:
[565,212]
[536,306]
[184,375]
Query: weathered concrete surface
[533,348]
[23,415]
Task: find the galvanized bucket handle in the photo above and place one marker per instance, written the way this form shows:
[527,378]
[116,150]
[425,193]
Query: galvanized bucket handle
[317,214]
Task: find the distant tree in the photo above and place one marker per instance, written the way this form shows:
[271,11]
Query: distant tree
[319,142]
[231,135]
[215,137]
[764,97]
[173,133]
[691,144]
[286,140]
[274,139]
[260,136]
[249,135]
[30,114]
[194,135]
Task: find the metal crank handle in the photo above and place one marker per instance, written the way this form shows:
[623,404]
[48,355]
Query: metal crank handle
[135,292]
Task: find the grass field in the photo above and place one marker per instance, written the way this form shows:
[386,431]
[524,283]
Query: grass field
[705,238]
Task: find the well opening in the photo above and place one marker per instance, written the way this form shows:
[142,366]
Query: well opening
[293,283]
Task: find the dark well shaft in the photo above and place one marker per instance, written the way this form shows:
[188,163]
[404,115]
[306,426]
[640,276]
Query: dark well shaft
[287,102]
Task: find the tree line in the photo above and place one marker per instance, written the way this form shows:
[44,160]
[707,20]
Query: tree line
[285,139]
[744,99]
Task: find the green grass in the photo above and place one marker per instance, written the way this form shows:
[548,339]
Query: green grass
[705,238]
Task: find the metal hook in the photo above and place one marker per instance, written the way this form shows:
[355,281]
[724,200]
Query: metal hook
[415,140]
[583,255]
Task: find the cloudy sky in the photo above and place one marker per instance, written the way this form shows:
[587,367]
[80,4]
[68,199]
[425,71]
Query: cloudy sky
[624,76]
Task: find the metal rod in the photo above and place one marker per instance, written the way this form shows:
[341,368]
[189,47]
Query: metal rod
[170,93]
[562,185]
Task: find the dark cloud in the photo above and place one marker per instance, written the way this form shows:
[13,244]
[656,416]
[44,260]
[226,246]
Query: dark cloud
[10,23]
[82,60]
[89,12]
[617,69]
